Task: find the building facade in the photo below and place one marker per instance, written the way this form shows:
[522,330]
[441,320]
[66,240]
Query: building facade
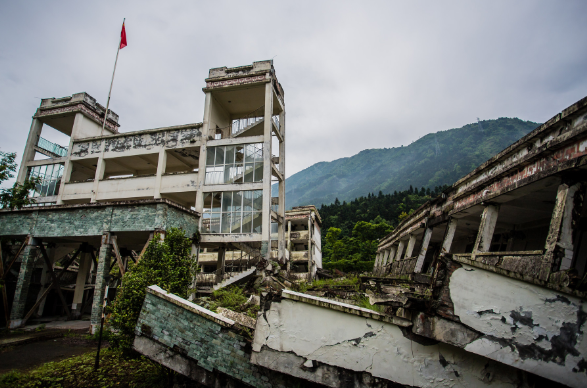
[212,178]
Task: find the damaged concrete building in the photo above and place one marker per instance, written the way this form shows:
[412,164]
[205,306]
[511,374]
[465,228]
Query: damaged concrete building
[496,266]
[303,252]
[105,195]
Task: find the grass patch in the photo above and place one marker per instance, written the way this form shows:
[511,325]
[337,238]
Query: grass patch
[116,370]
[328,283]
[363,301]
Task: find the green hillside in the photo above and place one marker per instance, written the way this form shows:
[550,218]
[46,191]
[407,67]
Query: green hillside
[420,164]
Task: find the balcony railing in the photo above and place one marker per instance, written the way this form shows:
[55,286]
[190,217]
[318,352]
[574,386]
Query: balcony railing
[251,118]
[52,147]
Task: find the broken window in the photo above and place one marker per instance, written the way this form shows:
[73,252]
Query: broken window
[233,212]
[234,164]
[50,179]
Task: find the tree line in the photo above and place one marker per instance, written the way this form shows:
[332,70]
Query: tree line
[353,229]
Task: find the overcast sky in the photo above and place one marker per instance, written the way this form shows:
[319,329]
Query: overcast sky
[356,75]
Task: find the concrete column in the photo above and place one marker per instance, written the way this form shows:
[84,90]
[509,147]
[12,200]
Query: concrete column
[281,209]
[411,244]
[560,232]
[486,229]
[391,256]
[160,171]
[29,150]
[45,280]
[310,256]
[100,167]
[384,258]
[267,125]
[104,257]
[220,264]
[27,264]
[85,262]
[400,249]
[422,255]
[289,245]
[377,263]
[67,166]
[203,155]
[451,228]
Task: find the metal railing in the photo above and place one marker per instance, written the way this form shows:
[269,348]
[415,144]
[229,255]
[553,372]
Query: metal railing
[52,147]
[251,118]
[246,261]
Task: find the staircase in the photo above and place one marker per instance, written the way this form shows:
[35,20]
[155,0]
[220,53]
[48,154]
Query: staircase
[253,129]
[231,273]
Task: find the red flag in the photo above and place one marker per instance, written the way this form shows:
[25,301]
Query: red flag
[123,37]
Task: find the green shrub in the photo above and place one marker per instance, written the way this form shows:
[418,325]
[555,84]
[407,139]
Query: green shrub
[167,264]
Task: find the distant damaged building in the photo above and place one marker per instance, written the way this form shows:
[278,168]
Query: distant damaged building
[497,264]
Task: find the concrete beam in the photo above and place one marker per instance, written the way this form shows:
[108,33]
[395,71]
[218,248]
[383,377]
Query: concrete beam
[236,141]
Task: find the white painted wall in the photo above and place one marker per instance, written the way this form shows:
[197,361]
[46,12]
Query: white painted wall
[365,345]
[489,303]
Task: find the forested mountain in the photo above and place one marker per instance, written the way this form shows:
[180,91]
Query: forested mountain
[436,159]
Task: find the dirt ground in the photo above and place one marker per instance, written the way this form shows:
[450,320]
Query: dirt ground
[31,355]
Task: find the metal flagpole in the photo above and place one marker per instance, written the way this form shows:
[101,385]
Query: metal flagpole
[111,82]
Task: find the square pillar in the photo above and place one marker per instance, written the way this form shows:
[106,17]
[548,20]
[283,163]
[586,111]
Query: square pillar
[451,229]
[104,257]
[422,255]
[220,264]
[486,229]
[411,244]
[267,173]
[27,264]
[560,233]
[400,249]
[45,281]
[161,163]
[85,263]
[29,150]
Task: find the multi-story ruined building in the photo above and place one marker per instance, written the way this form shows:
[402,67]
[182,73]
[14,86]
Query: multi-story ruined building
[303,252]
[498,264]
[105,195]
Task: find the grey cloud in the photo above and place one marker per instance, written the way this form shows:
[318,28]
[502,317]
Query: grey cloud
[356,75]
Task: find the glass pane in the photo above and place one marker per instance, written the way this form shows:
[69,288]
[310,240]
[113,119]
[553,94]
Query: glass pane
[214,175]
[206,221]
[236,223]
[228,173]
[229,154]
[215,223]
[257,222]
[219,155]
[258,200]
[207,201]
[210,156]
[249,152]
[226,201]
[247,222]
[237,199]
[258,172]
[249,172]
[258,151]
[240,154]
[216,202]
[238,173]
[226,223]
[247,201]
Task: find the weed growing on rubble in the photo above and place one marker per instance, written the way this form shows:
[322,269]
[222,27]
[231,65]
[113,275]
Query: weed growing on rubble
[233,298]
[363,301]
[167,264]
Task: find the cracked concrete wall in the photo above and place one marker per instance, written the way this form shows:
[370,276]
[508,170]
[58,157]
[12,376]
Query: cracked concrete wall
[307,341]
[529,327]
